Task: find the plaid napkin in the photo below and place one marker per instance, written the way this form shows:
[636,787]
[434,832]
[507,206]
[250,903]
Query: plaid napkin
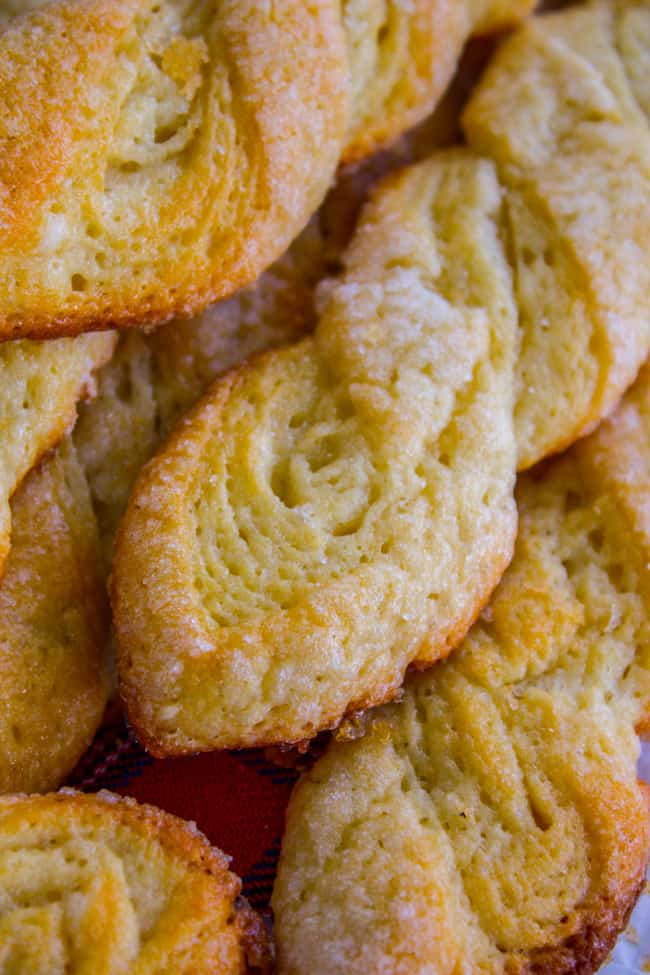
[237,799]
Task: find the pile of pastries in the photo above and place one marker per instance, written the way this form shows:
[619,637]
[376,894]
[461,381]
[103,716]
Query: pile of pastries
[325,408]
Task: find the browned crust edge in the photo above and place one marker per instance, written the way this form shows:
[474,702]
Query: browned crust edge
[58,432]
[583,952]
[433,650]
[176,835]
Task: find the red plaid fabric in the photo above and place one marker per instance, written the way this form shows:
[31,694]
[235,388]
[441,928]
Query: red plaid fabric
[237,799]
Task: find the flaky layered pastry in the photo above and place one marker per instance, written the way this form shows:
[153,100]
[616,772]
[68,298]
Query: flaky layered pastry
[156,156]
[40,387]
[403,56]
[152,379]
[335,510]
[563,111]
[53,711]
[578,257]
[229,521]
[54,627]
[53,630]
[101,884]
[492,821]
[175,149]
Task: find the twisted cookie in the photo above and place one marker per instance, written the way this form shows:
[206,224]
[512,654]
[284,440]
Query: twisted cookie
[563,111]
[492,821]
[152,379]
[174,151]
[221,643]
[338,509]
[155,156]
[402,57]
[40,387]
[53,619]
[53,629]
[101,884]
[54,683]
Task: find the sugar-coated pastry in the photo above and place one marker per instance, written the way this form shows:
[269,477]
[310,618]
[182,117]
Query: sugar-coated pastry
[153,378]
[492,820]
[174,150]
[156,156]
[54,625]
[562,110]
[333,511]
[101,884]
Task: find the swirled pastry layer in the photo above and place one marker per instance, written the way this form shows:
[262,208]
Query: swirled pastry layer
[334,510]
[156,156]
[53,629]
[152,379]
[402,57]
[102,884]
[562,110]
[569,273]
[576,187]
[41,384]
[492,821]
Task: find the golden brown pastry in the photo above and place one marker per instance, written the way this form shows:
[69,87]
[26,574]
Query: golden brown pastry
[152,379]
[54,628]
[563,111]
[560,111]
[54,625]
[403,56]
[492,821]
[98,883]
[240,506]
[335,510]
[41,384]
[400,58]
[155,156]
[173,152]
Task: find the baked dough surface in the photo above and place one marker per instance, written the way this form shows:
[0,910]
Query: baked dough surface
[562,111]
[492,820]
[54,628]
[156,156]
[99,883]
[337,509]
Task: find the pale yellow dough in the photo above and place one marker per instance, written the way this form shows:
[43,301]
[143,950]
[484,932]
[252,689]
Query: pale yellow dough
[333,511]
[492,821]
[100,884]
